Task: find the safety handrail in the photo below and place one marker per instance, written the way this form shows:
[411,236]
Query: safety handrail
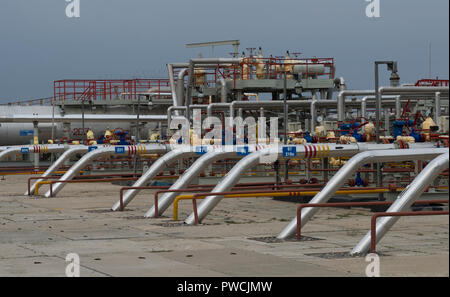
[277,193]
[398,214]
[238,186]
[77,177]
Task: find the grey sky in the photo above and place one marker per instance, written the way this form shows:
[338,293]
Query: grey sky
[136,38]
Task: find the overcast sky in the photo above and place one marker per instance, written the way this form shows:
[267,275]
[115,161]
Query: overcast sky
[136,38]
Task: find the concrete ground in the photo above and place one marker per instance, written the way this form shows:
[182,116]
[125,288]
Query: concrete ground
[37,234]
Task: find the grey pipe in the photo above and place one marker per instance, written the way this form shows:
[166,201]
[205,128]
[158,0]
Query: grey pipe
[412,90]
[222,106]
[384,91]
[160,164]
[198,106]
[398,108]
[183,181]
[257,104]
[405,200]
[153,94]
[223,90]
[180,86]
[72,150]
[172,85]
[313,114]
[372,99]
[349,168]
[437,107]
[253,159]
[300,103]
[341,100]
[89,157]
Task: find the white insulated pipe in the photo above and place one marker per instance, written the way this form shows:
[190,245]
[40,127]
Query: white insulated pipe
[345,172]
[272,153]
[100,152]
[405,200]
[160,164]
[188,176]
[29,149]
[72,150]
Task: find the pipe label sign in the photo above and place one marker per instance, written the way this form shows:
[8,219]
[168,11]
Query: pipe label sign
[289,151]
[200,150]
[120,150]
[25,150]
[91,148]
[242,150]
[26,132]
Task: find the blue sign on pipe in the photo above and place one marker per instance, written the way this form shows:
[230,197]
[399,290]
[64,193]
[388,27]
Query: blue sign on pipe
[120,150]
[200,150]
[242,150]
[92,147]
[26,132]
[289,151]
[24,150]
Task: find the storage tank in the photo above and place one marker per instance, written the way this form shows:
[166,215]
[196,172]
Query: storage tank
[16,133]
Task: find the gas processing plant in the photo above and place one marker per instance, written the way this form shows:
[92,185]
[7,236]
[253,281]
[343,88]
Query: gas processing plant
[304,137]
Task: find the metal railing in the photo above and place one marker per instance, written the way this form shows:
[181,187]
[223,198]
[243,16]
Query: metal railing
[377,215]
[129,89]
[350,204]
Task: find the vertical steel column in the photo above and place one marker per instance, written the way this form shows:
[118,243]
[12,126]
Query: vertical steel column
[36,142]
[378,107]
[437,107]
[285,114]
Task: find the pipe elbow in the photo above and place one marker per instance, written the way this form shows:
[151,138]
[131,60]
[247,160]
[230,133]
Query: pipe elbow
[381,90]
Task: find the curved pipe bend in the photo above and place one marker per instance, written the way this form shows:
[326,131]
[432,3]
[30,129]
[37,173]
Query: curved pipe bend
[349,168]
[57,164]
[160,164]
[90,156]
[404,201]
